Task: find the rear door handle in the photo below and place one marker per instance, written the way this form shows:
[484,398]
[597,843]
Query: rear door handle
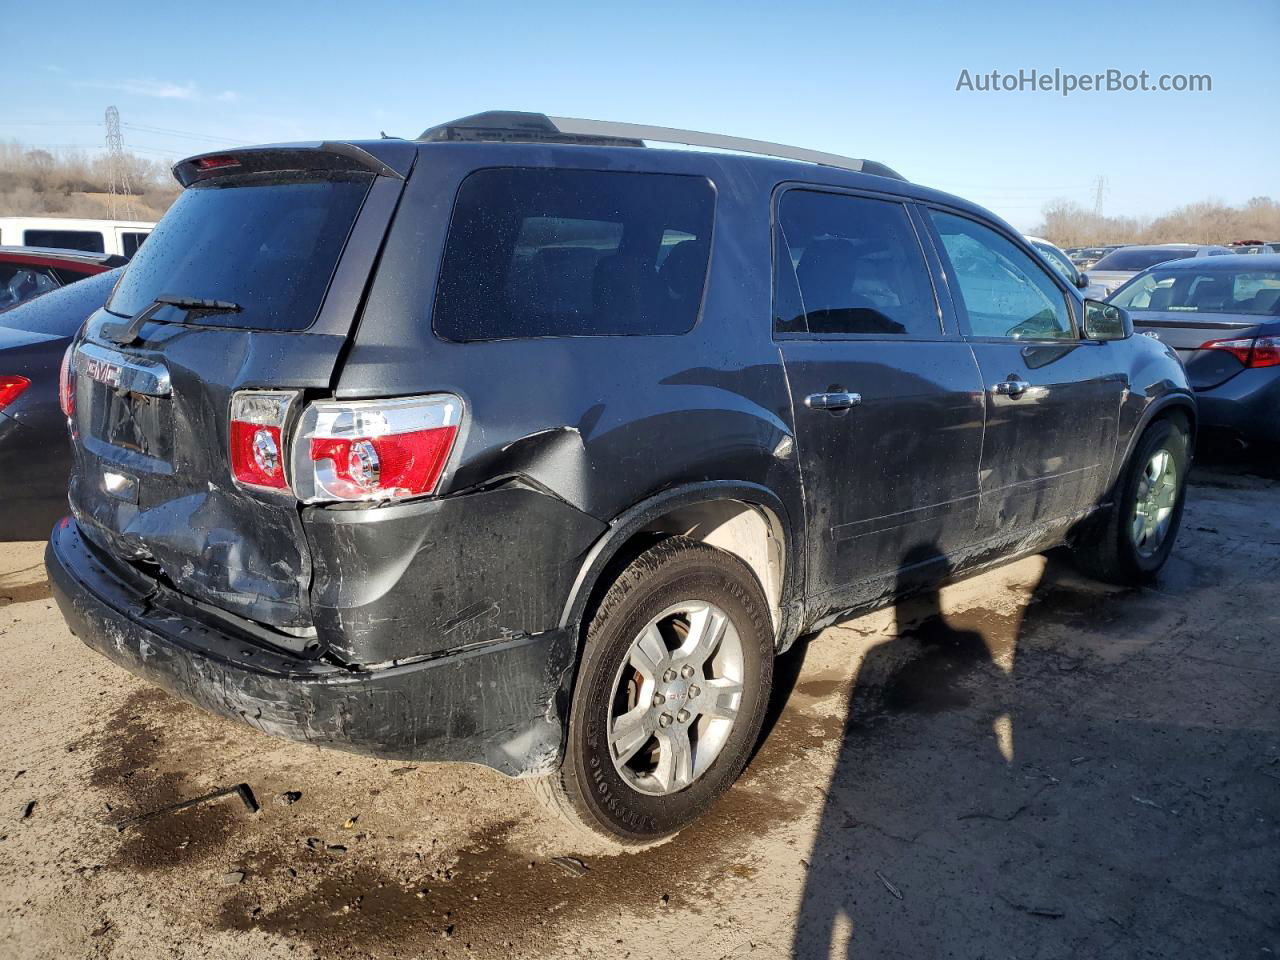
[1013,387]
[832,401]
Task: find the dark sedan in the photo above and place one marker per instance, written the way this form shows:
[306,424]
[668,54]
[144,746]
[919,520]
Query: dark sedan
[35,457]
[1222,316]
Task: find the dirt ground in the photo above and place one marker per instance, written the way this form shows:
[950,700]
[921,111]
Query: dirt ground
[1026,765]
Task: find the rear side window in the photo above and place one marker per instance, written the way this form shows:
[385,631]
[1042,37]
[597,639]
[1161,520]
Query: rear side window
[1141,258]
[850,265]
[268,245]
[560,253]
[89,241]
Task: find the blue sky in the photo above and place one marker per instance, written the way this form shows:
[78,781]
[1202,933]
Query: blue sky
[872,80]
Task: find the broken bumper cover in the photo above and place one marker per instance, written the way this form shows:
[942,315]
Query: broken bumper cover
[499,703]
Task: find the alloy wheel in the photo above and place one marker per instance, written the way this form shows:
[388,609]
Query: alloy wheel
[675,698]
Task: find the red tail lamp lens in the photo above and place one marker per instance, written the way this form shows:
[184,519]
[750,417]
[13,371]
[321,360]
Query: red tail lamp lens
[10,387]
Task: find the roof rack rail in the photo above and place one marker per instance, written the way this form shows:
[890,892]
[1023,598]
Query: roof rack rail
[519,127]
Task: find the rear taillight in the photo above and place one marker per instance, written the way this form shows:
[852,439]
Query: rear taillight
[10,387]
[67,382]
[1262,352]
[1266,352]
[258,421]
[374,449]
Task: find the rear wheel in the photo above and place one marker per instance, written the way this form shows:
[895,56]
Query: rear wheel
[670,695]
[1132,541]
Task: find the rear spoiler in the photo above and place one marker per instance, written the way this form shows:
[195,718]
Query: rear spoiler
[383,158]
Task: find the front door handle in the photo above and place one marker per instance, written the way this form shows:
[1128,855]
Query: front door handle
[832,401]
[1013,387]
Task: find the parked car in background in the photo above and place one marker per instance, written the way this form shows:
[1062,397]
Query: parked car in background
[530,444]
[28,272]
[1121,265]
[1222,316]
[35,457]
[1256,247]
[1066,269]
[121,237]
[1086,257]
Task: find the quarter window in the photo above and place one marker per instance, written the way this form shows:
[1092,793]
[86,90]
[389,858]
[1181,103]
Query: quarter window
[130,242]
[850,265]
[1006,294]
[555,253]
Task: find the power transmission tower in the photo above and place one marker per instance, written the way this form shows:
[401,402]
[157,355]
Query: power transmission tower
[1100,188]
[120,202]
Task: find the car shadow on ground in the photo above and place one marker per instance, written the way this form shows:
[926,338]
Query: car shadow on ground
[1066,779]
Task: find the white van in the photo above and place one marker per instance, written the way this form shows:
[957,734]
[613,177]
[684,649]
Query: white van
[72,233]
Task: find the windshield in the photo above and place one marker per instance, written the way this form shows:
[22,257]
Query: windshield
[268,245]
[1130,258]
[1252,292]
[1057,261]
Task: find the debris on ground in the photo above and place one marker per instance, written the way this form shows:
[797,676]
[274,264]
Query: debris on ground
[888,885]
[28,809]
[351,822]
[318,845]
[288,798]
[242,790]
[1144,801]
[571,865]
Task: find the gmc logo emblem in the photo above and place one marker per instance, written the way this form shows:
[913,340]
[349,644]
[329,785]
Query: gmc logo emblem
[102,371]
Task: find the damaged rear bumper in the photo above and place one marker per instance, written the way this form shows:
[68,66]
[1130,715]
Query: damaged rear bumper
[499,703]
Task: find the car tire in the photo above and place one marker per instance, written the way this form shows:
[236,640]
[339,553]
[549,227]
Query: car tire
[638,795]
[1119,546]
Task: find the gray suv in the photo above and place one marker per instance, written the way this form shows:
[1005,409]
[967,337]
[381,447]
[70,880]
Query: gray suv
[531,444]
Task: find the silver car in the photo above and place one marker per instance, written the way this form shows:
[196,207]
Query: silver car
[1120,266]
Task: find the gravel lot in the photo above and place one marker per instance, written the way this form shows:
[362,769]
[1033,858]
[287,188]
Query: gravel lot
[1025,765]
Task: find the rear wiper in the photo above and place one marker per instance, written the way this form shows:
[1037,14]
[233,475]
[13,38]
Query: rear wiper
[125,332]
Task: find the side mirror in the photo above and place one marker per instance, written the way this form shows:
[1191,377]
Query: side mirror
[1082,280]
[1105,321]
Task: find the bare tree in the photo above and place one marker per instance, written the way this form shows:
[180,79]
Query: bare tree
[1207,221]
[36,182]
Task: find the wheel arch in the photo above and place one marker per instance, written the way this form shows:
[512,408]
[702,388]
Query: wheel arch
[746,520]
[1171,405]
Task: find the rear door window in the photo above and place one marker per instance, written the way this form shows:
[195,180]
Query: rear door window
[265,242]
[555,253]
[850,265]
[90,241]
[1005,292]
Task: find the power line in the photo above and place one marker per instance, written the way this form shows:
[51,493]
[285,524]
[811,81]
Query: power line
[184,134]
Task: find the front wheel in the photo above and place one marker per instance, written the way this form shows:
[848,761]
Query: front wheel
[670,695]
[1132,541]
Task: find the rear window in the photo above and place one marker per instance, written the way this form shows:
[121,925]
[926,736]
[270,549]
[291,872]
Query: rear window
[1251,292]
[560,253]
[61,311]
[20,282]
[1123,259]
[269,245]
[90,241]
